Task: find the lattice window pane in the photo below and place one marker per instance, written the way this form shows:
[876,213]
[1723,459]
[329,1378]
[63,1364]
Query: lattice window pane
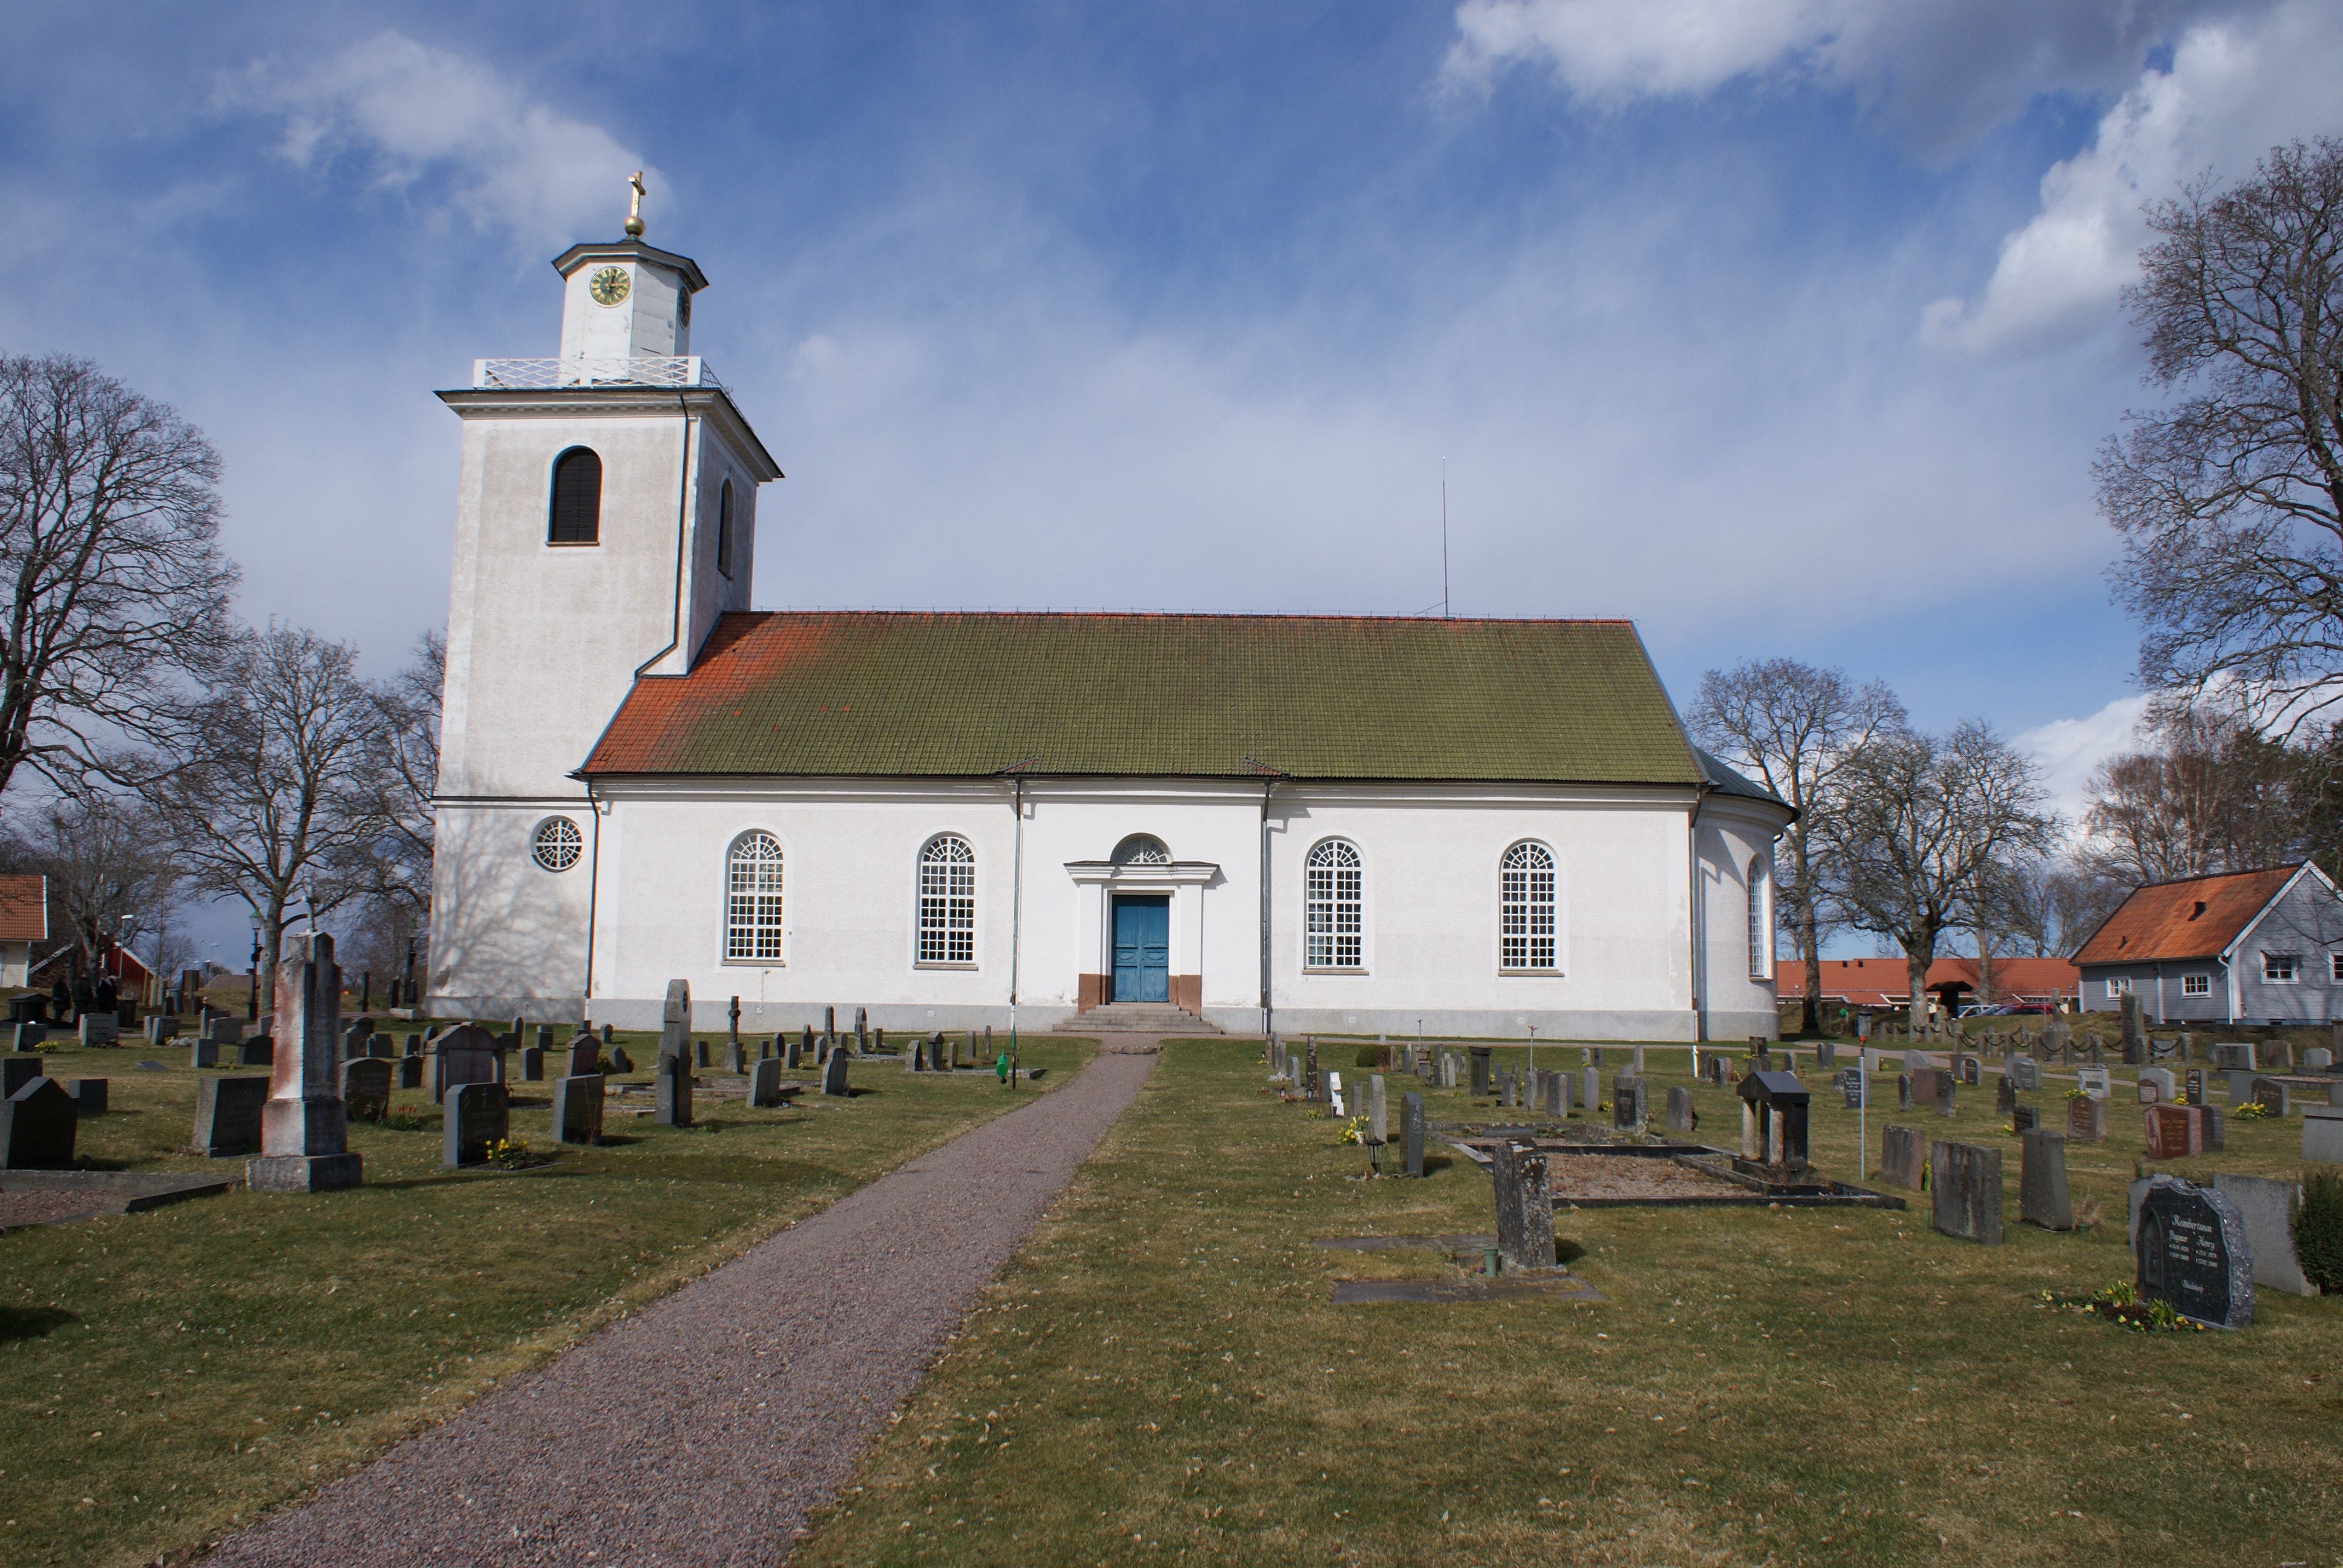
[558,844]
[1525,908]
[1760,924]
[1333,907]
[752,914]
[948,902]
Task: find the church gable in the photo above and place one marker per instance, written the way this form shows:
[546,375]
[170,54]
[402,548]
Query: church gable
[888,694]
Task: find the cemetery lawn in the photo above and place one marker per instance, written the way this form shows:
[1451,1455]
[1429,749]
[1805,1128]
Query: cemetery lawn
[1159,1375]
[171,1374]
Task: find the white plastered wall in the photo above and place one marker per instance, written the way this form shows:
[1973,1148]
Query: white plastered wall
[1732,831]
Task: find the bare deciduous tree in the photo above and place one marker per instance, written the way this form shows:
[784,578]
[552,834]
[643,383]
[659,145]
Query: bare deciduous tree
[115,583]
[274,804]
[1918,839]
[1797,728]
[405,776]
[110,871]
[2230,500]
[2054,904]
[2212,795]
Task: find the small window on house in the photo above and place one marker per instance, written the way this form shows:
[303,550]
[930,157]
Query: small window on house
[1761,921]
[558,844]
[1332,907]
[2196,985]
[947,902]
[577,498]
[2335,968]
[724,529]
[752,898]
[1525,908]
[2118,985]
[2282,968]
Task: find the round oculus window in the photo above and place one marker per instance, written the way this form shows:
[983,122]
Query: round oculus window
[558,844]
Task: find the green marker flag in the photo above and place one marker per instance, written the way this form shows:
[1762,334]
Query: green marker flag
[1000,1067]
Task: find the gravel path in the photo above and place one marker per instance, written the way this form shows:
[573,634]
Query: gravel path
[701,1430]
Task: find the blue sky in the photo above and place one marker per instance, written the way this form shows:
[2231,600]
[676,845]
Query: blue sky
[1783,327]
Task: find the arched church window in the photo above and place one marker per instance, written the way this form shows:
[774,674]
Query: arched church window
[1761,920]
[577,498]
[724,529]
[1332,907]
[752,905]
[1142,849]
[1525,908]
[946,901]
[556,844]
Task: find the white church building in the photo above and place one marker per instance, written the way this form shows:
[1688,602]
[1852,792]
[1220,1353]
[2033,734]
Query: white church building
[1321,823]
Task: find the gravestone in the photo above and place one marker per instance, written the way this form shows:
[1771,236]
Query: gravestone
[2005,1095]
[1852,1085]
[227,1116]
[1590,1090]
[1903,1091]
[1524,1211]
[410,1071]
[304,1127]
[545,1040]
[675,1021]
[1716,1070]
[1902,1157]
[2155,1086]
[28,1036]
[915,1059]
[620,1062]
[1482,1081]
[15,1075]
[2087,1121]
[2233,1056]
[1309,1070]
[365,1088]
[477,1116]
[2192,1251]
[1827,1055]
[1966,1184]
[2026,1073]
[100,1029]
[578,1109]
[1378,1118]
[222,1030]
[801,1049]
[2322,1134]
[1334,1091]
[671,1091]
[37,1127]
[2192,1086]
[2135,1042]
[2172,1133]
[1916,1061]
[1628,1105]
[585,1058]
[532,1065]
[2269,1210]
[88,1095]
[2167,1049]
[2317,1059]
[1946,1082]
[1411,1107]
[2042,1180]
[1971,1071]
[2276,1099]
[765,1083]
[2277,1056]
[258,1051]
[1679,1112]
[2091,1081]
[467,1054]
[700,1055]
[833,1077]
[2024,1118]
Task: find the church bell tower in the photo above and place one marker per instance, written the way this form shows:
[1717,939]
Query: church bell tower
[605,517]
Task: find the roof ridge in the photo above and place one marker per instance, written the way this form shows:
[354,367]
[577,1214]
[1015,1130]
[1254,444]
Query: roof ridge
[1205,615]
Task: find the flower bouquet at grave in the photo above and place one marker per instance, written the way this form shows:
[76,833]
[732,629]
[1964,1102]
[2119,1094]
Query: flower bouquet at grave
[512,1154]
[2078,1092]
[2250,1110]
[2121,1303]
[1355,1130]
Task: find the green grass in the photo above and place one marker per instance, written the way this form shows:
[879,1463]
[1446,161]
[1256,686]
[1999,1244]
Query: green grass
[166,1376]
[1159,1375]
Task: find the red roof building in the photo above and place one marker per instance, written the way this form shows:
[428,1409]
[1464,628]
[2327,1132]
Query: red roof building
[1887,983]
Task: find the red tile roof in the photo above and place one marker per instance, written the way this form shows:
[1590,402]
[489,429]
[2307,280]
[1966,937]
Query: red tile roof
[1884,982]
[23,909]
[2195,919]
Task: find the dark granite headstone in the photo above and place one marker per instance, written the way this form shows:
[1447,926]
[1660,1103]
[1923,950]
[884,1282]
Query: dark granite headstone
[671,1091]
[28,1036]
[1902,1157]
[36,1128]
[620,1060]
[2042,1180]
[2024,1119]
[476,1115]
[585,1058]
[2087,1121]
[467,1054]
[260,1051]
[1851,1086]
[1966,1184]
[1483,1078]
[2192,1252]
[1412,1120]
[16,1073]
[2026,1073]
[410,1071]
[532,1064]
[1679,1112]
[833,1076]
[1944,1085]
[765,1082]
[365,1088]
[88,1095]
[2276,1099]
[735,1057]
[2172,1133]
[577,1108]
[2005,1095]
[227,1116]
[1629,1104]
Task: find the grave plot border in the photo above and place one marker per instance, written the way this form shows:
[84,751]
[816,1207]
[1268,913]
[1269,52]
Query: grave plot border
[1695,1157]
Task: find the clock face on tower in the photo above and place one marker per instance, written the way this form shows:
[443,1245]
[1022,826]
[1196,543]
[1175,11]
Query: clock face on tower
[610,286]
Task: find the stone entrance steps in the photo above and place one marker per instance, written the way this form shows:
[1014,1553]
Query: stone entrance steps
[1137,1018]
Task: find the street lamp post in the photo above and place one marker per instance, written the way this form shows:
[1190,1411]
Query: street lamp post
[252,1006]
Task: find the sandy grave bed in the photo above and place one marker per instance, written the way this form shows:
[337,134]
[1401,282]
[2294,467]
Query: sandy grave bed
[1570,1177]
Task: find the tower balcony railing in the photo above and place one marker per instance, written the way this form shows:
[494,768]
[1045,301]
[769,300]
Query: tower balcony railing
[552,375]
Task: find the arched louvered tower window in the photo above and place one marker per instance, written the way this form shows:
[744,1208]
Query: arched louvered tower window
[947,902]
[1332,907]
[1525,908]
[577,498]
[724,529]
[752,901]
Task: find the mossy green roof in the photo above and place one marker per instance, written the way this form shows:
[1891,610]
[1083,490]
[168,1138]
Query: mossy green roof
[887,693]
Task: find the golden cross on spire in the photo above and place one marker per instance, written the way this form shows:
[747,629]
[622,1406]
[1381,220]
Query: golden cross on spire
[635,207]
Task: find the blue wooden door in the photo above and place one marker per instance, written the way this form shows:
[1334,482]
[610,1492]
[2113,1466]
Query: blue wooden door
[1142,949]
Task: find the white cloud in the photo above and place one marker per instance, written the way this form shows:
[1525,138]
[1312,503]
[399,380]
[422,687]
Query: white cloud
[422,118]
[2069,750]
[1941,74]
[2235,89]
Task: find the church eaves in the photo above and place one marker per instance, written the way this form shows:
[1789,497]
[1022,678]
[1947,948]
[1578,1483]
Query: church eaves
[899,694]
